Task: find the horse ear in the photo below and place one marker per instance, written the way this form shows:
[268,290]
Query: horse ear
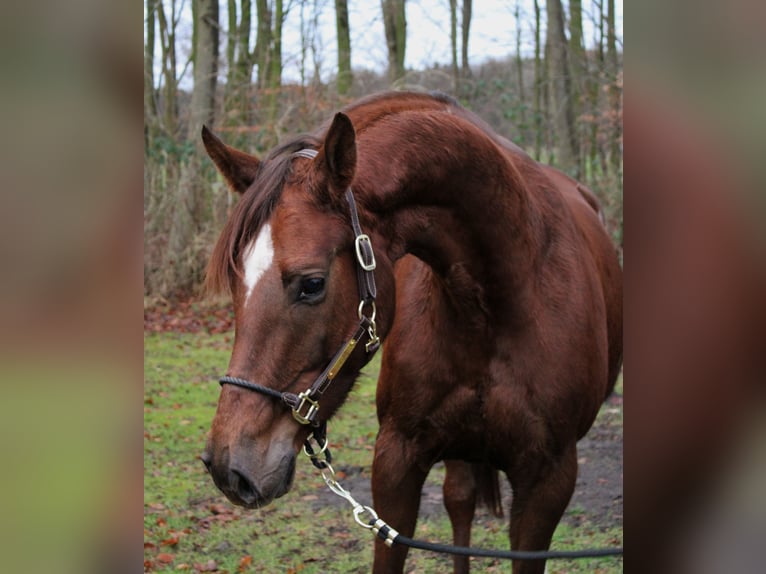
[237,168]
[338,155]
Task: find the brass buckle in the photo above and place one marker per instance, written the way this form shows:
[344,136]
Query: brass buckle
[311,411]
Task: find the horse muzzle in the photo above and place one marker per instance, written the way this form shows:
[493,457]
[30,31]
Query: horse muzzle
[249,482]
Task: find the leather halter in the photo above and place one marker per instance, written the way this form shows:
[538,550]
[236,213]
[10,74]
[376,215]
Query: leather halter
[305,405]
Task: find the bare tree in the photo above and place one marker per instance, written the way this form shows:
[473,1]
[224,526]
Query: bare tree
[395,24]
[150,103]
[344,46]
[539,80]
[465,28]
[239,58]
[275,53]
[262,41]
[520,70]
[461,70]
[578,66]
[593,83]
[181,264]
[453,43]
[615,91]
[169,70]
[561,92]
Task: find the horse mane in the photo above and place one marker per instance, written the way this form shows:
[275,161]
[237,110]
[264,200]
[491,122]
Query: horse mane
[251,211]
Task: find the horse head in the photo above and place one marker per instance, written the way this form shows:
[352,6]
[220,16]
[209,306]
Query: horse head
[290,257]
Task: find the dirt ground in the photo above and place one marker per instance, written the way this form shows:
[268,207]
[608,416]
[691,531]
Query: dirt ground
[597,499]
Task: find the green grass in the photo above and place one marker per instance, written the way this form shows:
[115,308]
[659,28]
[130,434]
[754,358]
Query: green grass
[188,523]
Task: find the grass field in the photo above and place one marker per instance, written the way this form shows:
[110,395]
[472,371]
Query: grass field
[189,524]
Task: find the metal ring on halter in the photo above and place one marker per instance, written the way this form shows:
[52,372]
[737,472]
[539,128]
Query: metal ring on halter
[321,450]
[361,309]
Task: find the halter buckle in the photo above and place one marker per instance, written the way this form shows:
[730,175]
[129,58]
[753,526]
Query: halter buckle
[311,410]
[362,254]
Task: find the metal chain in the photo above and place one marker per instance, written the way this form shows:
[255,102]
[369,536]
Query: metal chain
[375,524]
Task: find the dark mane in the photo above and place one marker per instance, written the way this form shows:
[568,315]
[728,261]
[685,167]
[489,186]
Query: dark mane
[251,211]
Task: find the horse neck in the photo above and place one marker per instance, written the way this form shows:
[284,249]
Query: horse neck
[442,190]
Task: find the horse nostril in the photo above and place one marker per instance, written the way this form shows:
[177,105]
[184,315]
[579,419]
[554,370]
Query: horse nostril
[206,459]
[244,487]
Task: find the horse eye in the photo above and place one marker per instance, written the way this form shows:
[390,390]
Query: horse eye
[311,288]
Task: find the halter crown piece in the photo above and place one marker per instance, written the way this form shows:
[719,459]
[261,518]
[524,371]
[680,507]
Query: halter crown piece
[305,405]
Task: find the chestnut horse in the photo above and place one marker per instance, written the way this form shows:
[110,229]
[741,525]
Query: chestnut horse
[502,328]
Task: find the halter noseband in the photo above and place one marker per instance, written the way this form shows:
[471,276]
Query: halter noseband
[305,405]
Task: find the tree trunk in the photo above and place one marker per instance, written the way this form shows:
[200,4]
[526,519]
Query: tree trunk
[237,107]
[181,262]
[168,44]
[538,95]
[561,92]
[453,42]
[244,56]
[395,24]
[150,107]
[344,46]
[150,104]
[231,47]
[594,85]
[520,76]
[465,70]
[275,53]
[614,91]
[578,69]
[262,41]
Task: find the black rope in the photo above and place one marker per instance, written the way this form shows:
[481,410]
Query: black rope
[505,554]
[290,399]
[250,385]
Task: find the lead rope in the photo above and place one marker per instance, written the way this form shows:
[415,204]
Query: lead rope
[390,536]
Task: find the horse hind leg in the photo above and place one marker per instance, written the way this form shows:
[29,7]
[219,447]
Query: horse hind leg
[459,491]
[539,500]
[465,484]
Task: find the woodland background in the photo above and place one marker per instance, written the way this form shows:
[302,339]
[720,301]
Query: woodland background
[557,94]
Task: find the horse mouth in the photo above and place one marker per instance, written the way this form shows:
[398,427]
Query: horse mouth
[245,491]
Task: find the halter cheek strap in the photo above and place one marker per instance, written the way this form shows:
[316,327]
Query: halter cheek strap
[305,405]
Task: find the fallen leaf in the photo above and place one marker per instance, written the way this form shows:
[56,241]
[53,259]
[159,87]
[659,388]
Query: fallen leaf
[244,563]
[170,541]
[219,509]
[165,558]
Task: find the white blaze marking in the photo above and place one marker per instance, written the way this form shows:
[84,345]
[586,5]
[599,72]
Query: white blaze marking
[257,258]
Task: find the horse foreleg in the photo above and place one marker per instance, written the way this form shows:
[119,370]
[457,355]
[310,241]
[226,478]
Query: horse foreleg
[396,487]
[460,500]
[539,500]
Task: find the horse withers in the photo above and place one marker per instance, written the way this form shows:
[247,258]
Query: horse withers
[497,291]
